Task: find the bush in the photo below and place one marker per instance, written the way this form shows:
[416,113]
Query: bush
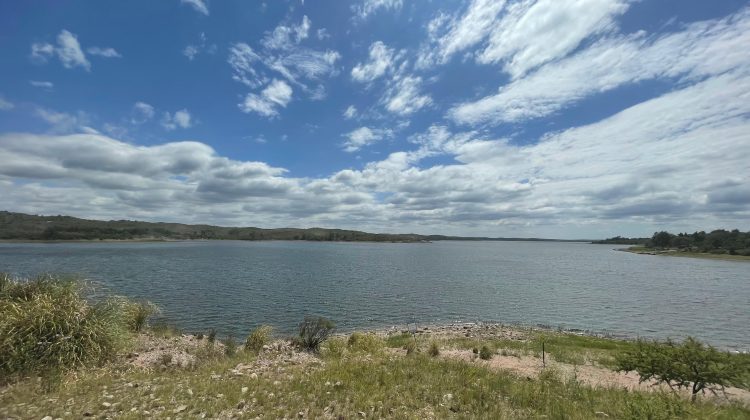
[367,343]
[690,365]
[46,325]
[258,338]
[335,347]
[230,346]
[313,331]
[138,313]
[410,347]
[211,336]
[434,349]
[485,353]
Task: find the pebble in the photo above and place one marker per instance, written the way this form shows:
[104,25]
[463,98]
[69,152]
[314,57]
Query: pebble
[244,389]
[47,418]
[106,405]
[180,409]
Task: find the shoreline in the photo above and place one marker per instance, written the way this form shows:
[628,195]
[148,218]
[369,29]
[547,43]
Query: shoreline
[674,253]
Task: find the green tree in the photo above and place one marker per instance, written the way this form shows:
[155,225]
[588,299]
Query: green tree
[689,365]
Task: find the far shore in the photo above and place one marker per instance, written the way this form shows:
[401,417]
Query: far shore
[675,253]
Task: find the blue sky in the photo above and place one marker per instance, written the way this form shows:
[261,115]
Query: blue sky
[570,119]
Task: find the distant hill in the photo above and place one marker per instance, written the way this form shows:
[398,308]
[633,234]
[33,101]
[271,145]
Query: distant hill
[20,226]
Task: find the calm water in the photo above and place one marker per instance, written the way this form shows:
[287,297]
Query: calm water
[234,286]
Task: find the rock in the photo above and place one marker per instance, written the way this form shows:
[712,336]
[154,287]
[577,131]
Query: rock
[190,392]
[179,409]
[601,414]
[244,389]
[361,414]
[253,375]
[301,414]
[47,418]
[106,405]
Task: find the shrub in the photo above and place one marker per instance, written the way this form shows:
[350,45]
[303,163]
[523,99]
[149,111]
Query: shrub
[313,331]
[258,338]
[138,313]
[434,349]
[335,347]
[230,346]
[367,343]
[199,336]
[46,325]
[485,353]
[410,347]
[162,328]
[690,365]
[475,350]
[211,336]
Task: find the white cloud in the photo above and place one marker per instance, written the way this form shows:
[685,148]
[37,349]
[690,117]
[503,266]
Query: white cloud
[197,5]
[276,94]
[531,34]
[381,58]
[365,136]
[368,7]
[350,112]
[69,51]
[521,35]
[104,52]
[690,54]
[41,84]
[142,112]
[180,119]
[190,52]
[322,34]
[5,105]
[62,122]
[404,96]
[281,54]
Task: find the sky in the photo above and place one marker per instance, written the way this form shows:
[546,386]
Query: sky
[529,118]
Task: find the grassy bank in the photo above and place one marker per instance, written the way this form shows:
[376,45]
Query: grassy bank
[462,371]
[685,254]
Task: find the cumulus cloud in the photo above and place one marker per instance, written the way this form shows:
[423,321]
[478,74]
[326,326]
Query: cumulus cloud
[350,112]
[197,5]
[68,51]
[281,55]
[180,119]
[364,136]
[380,60]
[613,62]
[277,94]
[142,112]
[404,96]
[63,122]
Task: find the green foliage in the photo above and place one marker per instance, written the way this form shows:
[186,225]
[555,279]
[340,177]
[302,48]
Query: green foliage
[335,347]
[434,350]
[313,331]
[230,346]
[138,313]
[410,347]
[47,325]
[365,343]
[485,353]
[690,365]
[258,338]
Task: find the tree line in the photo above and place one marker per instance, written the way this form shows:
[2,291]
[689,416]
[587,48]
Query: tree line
[720,241]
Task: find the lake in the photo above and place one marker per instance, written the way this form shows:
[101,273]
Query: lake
[234,286]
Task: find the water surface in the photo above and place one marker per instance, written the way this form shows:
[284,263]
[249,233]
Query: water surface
[234,285]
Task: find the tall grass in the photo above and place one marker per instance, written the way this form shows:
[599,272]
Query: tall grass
[48,326]
[258,338]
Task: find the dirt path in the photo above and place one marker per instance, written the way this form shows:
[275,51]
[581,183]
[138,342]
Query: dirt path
[596,376]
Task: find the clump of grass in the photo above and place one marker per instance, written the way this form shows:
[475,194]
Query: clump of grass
[485,353]
[434,350]
[165,359]
[365,343]
[258,338]
[138,313]
[335,347]
[410,347]
[313,331]
[163,328]
[230,346]
[199,336]
[475,350]
[211,336]
[47,325]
